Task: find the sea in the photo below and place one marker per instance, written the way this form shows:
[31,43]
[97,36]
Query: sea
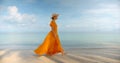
[31,40]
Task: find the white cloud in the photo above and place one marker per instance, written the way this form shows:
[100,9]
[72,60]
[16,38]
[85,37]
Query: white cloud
[15,16]
[12,10]
[105,24]
[105,8]
[94,24]
[16,21]
[102,17]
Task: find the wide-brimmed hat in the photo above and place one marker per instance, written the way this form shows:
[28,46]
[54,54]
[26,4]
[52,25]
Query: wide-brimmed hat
[54,14]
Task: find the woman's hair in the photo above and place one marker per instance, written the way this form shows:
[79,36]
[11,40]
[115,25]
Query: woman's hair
[52,17]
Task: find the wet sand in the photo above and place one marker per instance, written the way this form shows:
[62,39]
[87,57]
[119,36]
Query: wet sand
[74,55]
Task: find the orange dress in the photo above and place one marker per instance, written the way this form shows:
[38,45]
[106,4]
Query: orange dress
[51,45]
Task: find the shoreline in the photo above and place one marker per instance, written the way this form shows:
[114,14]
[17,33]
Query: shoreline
[33,47]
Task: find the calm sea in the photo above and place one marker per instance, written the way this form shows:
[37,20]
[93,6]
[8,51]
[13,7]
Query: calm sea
[68,39]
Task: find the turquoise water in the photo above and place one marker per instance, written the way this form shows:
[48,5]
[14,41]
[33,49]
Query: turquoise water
[68,39]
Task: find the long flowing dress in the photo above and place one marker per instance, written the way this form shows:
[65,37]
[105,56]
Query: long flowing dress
[51,44]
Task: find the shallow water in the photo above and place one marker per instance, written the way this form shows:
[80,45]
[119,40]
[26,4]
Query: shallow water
[68,39]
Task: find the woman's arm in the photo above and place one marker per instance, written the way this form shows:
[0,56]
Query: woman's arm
[52,29]
[54,32]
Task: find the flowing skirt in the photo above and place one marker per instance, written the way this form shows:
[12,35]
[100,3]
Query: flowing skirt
[50,46]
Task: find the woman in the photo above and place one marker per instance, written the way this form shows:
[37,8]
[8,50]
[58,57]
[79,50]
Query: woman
[51,45]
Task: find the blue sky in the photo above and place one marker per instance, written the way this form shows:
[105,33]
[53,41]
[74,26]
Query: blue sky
[75,15]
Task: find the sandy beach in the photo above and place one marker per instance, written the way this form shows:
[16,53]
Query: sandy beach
[74,55]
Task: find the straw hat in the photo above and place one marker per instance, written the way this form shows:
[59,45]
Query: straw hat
[53,15]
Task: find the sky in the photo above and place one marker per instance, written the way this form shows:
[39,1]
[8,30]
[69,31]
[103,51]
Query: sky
[74,15]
